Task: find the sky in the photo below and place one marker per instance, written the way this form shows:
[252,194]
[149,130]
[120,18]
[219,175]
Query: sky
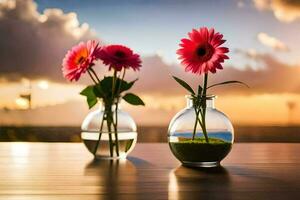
[163,23]
[263,37]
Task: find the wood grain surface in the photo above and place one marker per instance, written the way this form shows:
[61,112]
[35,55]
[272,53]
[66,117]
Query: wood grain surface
[66,171]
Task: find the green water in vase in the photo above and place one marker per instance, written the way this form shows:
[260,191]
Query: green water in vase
[198,151]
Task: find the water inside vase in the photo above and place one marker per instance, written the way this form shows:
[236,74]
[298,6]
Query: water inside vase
[126,141]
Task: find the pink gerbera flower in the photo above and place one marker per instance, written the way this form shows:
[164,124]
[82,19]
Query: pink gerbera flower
[119,57]
[79,59]
[202,51]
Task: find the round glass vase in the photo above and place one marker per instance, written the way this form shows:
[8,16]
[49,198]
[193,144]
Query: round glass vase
[112,142]
[197,152]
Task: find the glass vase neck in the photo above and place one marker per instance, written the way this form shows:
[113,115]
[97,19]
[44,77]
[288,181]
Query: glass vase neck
[210,101]
[103,106]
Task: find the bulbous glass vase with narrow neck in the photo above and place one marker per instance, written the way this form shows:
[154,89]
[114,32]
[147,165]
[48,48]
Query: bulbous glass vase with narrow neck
[188,142]
[109,139]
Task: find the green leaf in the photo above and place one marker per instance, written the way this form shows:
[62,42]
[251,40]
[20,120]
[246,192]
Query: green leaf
[98,91]
[90,96]
[88,91]
[91,102]
[184,84]
[125,85]
[133,99]
[104,90]
[107,85]
[228,82]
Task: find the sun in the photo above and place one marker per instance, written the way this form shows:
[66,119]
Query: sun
[43,84]
[22,103]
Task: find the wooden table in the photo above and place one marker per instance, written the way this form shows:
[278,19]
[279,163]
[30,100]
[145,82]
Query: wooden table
[67,171]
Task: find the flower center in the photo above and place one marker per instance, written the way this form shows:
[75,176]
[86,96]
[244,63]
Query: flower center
[201,51]
[204,52]
[81,60]
[120,54]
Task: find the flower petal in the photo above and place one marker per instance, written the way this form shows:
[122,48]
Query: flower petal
[202,52]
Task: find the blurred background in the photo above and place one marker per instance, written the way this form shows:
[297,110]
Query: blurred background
[37,104]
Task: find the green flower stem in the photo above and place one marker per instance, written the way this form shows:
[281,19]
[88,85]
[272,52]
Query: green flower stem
[100,134]
[93,71]
[116,138]
[90,74]
[199,120]
[95,79]
[204,107]
[195,125]
[114,85]
[109,117]
[116,113]
[200,108]
[203,126]
[112,100]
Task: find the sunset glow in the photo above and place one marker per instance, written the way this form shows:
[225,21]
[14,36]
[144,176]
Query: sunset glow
[22,103]
[261,54]
[43,84]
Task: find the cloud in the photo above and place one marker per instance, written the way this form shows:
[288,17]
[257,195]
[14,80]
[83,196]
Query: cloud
[240,4]
[284,10]
[262,4]
[33,44]
[272,42]
[273,76]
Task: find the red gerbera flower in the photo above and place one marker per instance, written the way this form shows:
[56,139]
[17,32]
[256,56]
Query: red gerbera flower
[201,52]
[119,57]
[79,59]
